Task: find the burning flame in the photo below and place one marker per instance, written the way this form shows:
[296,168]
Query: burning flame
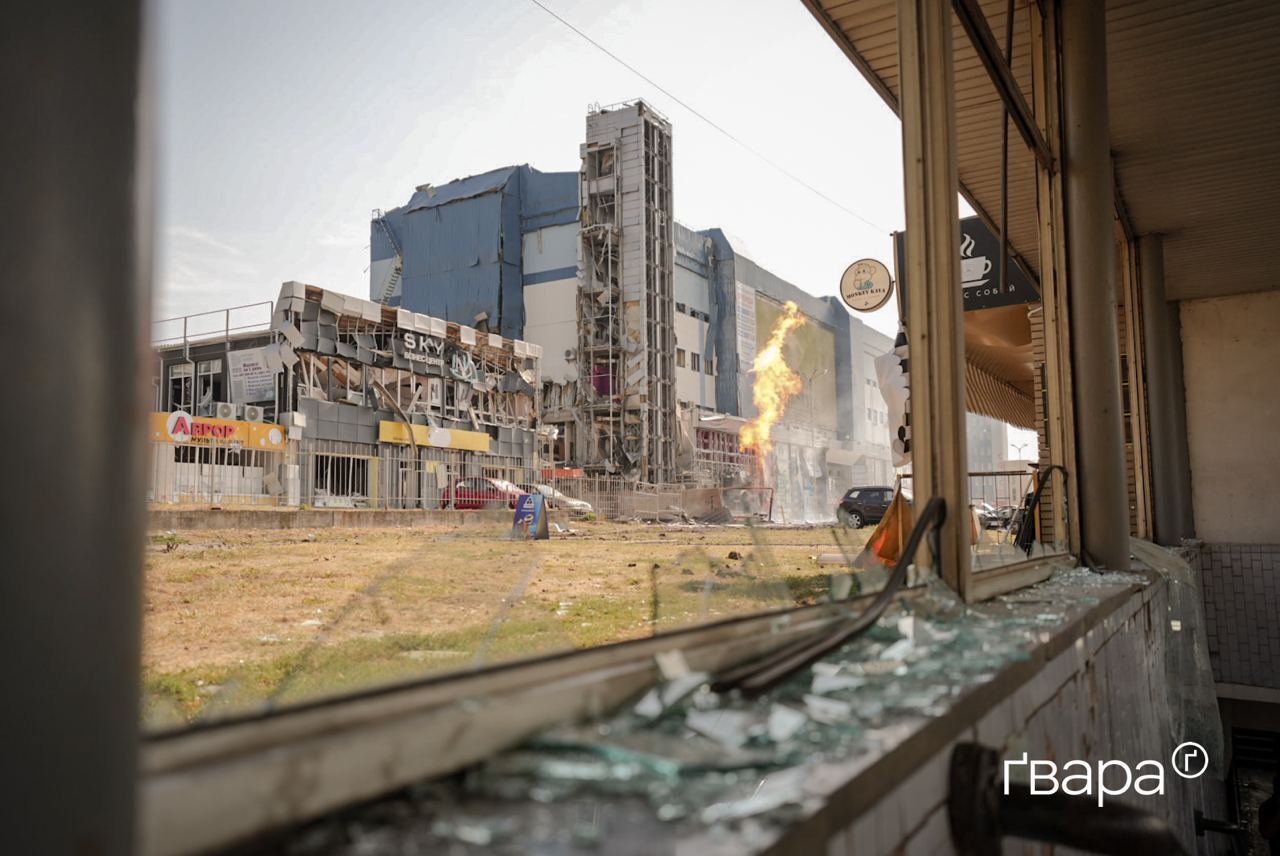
[774,386]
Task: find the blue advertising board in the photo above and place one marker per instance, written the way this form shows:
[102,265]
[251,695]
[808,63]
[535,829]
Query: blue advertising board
[530,519]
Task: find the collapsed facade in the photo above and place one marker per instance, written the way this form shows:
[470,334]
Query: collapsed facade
[648,328]
[342,402]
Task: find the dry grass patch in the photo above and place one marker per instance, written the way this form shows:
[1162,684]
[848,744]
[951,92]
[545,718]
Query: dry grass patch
[235,617]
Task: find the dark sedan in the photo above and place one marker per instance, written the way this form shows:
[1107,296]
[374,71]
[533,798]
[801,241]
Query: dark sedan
[864,505]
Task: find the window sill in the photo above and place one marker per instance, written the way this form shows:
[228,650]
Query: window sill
[215,785]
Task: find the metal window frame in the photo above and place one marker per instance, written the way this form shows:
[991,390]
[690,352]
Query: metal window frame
[927,108]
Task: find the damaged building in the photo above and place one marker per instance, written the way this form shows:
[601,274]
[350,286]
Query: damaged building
[930,712]
[648,328]
[341,402]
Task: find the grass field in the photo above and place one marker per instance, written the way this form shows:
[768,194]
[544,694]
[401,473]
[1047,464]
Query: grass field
[238,618]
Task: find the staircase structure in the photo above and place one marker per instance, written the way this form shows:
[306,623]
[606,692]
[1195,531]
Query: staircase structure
[392,286]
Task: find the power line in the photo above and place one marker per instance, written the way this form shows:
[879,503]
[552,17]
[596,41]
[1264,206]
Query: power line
[649,80]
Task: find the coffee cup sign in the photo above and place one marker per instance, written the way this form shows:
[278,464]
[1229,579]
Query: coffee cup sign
[866,285]
[973,269]
[980,270]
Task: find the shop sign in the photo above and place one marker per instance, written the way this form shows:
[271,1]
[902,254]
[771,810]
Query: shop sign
[866,285]
[425,350]
[181,429]
[980,254]
[440,438]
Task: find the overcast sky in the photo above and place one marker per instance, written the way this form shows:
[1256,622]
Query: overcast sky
[282,124]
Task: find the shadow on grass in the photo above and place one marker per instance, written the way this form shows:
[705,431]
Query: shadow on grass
[176,698]
[804,589]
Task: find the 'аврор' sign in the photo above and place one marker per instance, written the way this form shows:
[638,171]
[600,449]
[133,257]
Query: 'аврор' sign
[180,428]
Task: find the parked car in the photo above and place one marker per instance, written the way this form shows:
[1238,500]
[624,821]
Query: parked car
[1006,514]
[988,515]
[864,505]
[483,492]
[557,499]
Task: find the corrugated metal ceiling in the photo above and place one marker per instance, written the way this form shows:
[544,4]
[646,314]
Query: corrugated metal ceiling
[1195,131]
[1195,125]
[866,30]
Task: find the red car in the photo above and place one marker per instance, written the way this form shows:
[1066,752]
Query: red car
[480,492]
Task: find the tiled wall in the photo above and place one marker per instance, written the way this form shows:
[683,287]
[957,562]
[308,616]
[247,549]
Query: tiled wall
[1242,610]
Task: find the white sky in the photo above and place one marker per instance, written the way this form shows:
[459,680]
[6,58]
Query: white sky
[281,125]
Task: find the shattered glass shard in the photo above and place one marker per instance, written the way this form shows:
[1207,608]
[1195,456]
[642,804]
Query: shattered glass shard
[730,728]
[773,791]
[784,722]
[828,710]
[824,684]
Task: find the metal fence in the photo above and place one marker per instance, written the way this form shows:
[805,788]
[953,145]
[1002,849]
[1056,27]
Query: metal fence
[998,496]
[334,474]
[213,474]
[1001,489]
[211,326]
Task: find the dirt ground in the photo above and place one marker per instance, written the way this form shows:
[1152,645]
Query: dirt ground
[239,618]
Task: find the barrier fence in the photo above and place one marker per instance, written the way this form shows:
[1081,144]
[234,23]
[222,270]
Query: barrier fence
[334,474]
[998,497]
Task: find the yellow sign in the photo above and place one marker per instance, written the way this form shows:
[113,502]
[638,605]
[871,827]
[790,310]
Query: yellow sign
[440,438]
[181,429]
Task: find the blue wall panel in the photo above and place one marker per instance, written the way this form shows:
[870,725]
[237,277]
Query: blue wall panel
[724,316]
[462,242]
[548,198]
[453,260]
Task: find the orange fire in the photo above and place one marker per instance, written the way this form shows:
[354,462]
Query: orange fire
[774,386]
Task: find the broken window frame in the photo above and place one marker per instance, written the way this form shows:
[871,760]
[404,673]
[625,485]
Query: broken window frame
[928,131]
[600,162]
[181,380]
[182,763]
[209,379]
[340,475]
[364,732]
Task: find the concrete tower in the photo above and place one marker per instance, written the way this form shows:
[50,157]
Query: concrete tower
[626,341]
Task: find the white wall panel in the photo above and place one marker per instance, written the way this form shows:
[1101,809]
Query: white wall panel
[550,248]
[551,320]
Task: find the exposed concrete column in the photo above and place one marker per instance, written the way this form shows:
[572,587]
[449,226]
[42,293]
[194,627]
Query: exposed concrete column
[1095,345]
[935,308]
[1166,400]
[75,301]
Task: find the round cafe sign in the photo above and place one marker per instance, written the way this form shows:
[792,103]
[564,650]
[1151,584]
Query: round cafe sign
[866,285]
